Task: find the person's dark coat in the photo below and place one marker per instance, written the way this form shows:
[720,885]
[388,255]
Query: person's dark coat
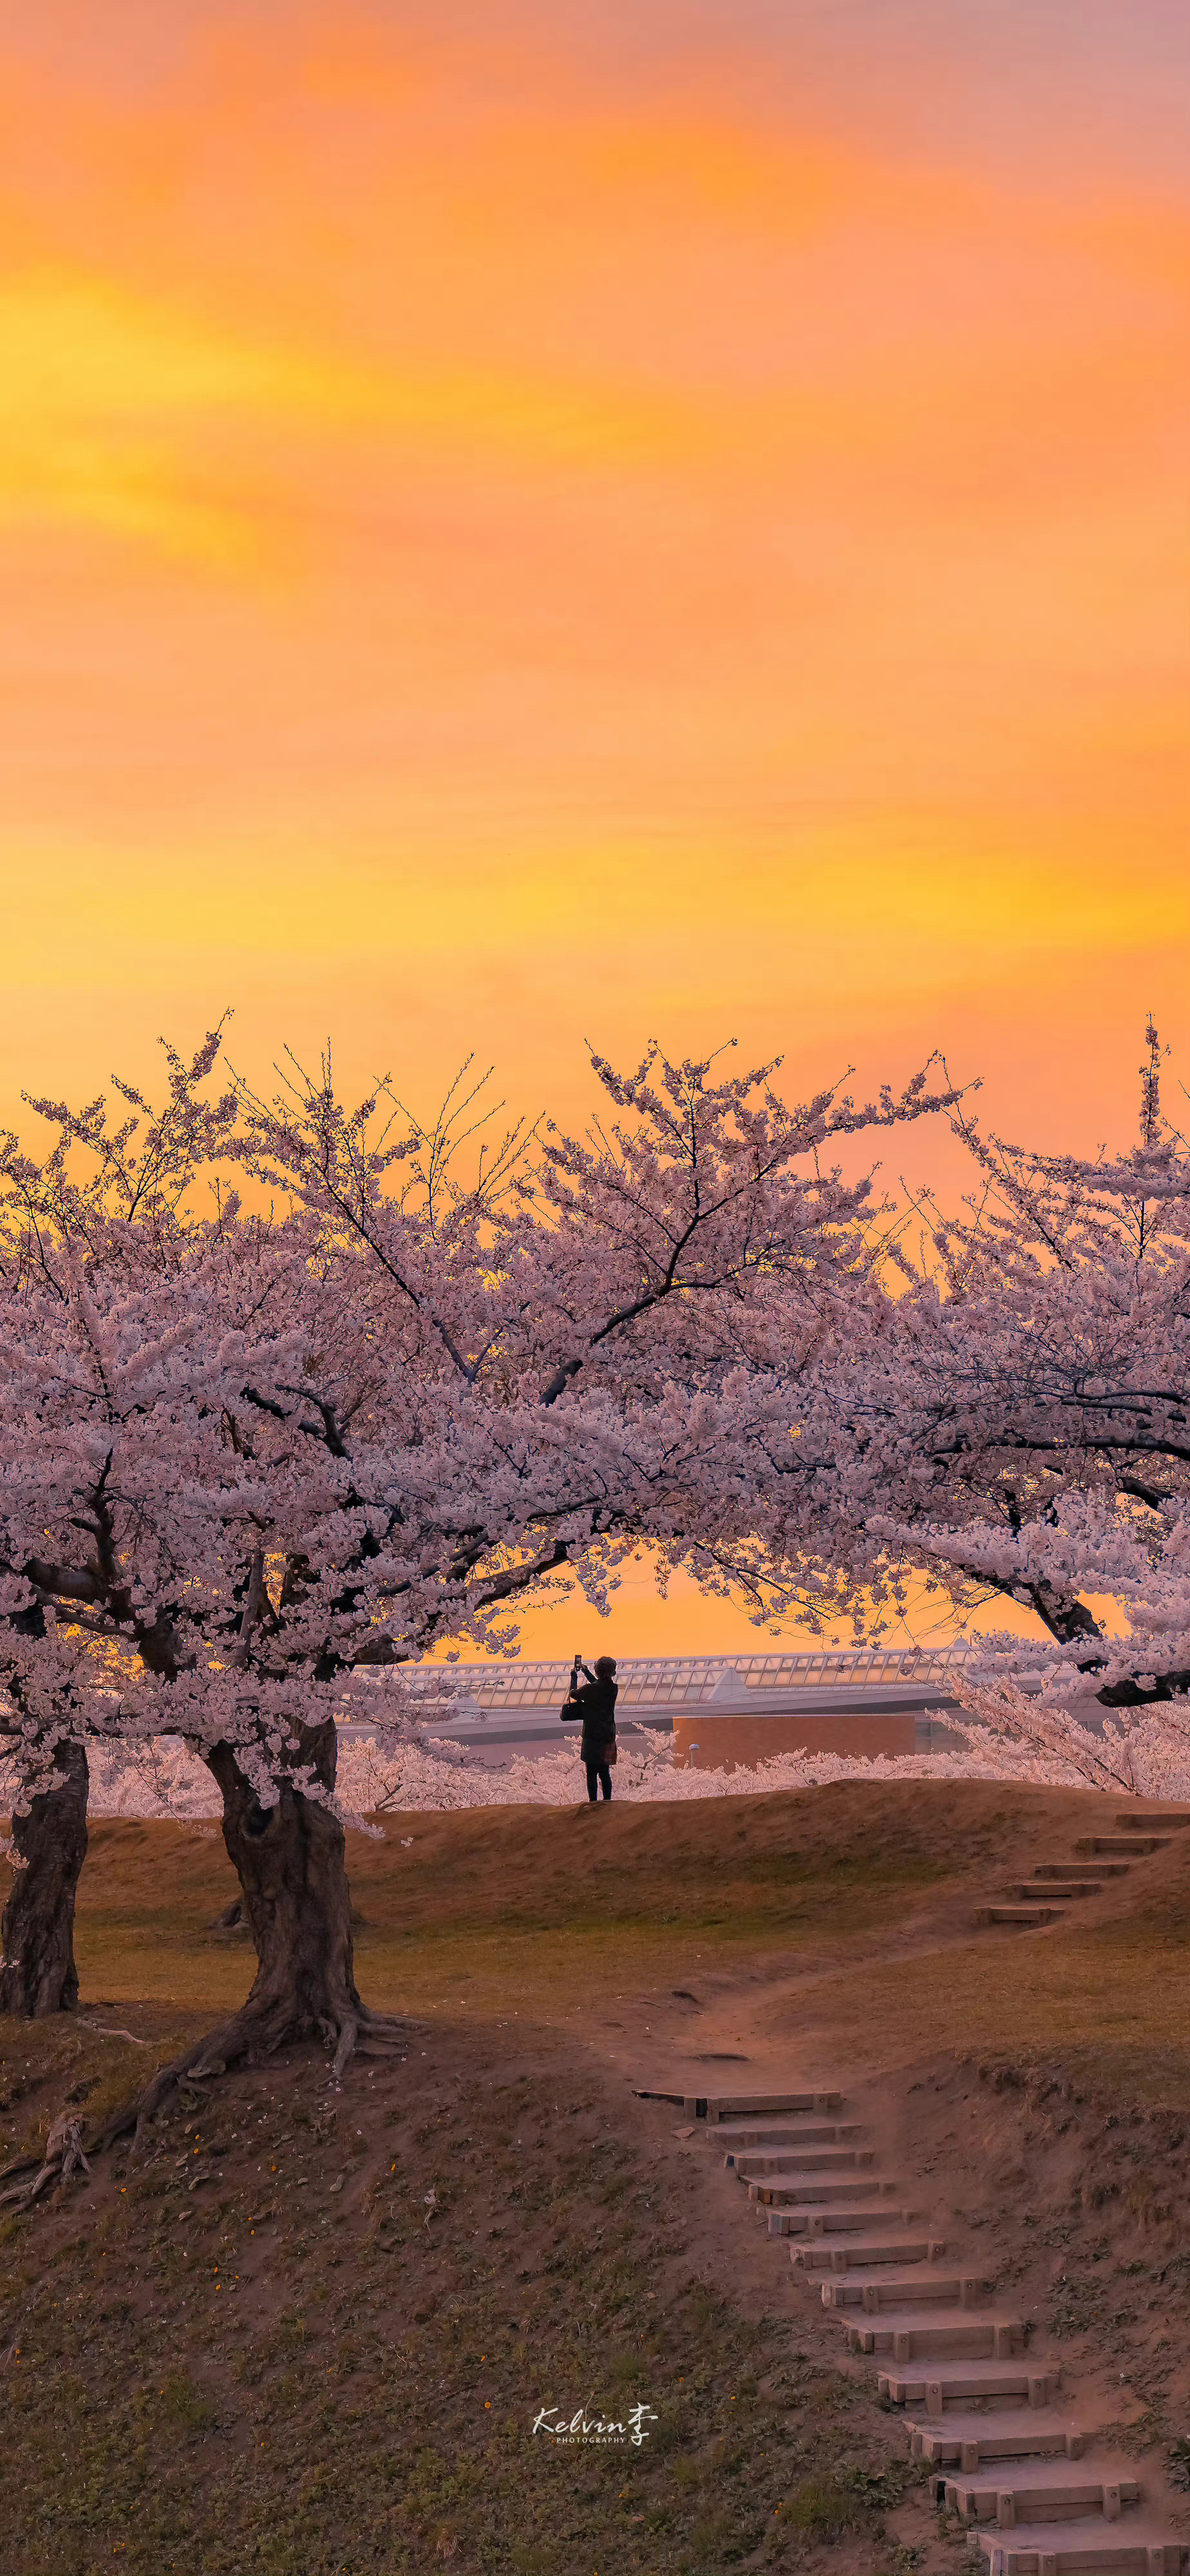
[595,1703]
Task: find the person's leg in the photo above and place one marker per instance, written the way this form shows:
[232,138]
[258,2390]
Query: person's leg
[605,1777]
[592,1771]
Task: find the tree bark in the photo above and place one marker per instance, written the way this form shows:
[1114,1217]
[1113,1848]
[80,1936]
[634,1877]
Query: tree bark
[291,1862]
[39,1976]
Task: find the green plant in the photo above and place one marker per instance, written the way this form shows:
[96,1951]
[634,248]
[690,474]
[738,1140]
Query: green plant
[881,2489]
[185,2404]
[716,2538]
[822,2508]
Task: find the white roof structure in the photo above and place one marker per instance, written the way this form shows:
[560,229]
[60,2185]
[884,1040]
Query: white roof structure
[523,1700]
[743,1682]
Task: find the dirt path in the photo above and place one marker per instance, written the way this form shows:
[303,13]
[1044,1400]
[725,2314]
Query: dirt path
[1037,2228]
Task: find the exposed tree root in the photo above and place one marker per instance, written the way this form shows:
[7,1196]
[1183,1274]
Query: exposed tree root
[106,2030]
[63,2157]
[251,2036]
[248,2039]
[295,1903]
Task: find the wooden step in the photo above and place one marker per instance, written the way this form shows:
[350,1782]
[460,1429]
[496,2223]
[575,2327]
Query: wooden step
[1060,1870]
[950,2336]
[1022,1916]
[1004,2433]
[1031,1893]
[1138,1846]
[834,2220]
[755,2166]
[1012,2493]
[1164,1820]
[823,2255]
[825,2133]
[1087,2547]
[875,2291]
[716,2106]
[813,2220]
[934,2385]
[720,2106]
[792,2191]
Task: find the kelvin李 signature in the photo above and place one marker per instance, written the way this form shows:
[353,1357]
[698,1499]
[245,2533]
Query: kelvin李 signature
[585,2427]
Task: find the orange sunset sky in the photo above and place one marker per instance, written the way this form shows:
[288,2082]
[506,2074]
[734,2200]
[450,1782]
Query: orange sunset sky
[523,523]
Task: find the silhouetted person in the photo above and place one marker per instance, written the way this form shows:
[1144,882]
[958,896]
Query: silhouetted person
[595,1702]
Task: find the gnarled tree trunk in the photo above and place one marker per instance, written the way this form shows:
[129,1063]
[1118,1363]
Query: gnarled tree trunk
[39,1975]
[291,1861]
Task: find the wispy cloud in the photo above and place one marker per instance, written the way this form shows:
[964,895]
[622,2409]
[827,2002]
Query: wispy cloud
[686,496]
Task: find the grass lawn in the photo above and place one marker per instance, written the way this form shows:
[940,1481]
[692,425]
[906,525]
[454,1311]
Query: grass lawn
[470,1910]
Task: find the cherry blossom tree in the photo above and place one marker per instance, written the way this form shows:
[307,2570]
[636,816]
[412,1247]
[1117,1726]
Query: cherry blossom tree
[1018,1425]
[244,1459]
[637,1309]
[105,1214]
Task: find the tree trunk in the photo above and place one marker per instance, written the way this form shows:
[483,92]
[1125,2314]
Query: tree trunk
[39,1975]
[291,1862]
[292,1868]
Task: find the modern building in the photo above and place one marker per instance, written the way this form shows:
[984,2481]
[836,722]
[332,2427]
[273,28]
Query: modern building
[719,1708]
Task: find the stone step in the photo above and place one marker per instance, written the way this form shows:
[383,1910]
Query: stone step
[1010,2494]
[1090,2547]
[1004,2433]
[875,2291]
[829,2133]
[823,2256]
[1166,1820]
[815,2220]
[1072,1869]
[755,2166]
[986,2336]
[791,2190]
[934,2385]
[1138,1846]
[1022,1915]
[1031,1892]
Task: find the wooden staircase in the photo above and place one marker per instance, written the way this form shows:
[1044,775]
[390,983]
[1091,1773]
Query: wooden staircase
[1018,2465]
[1057,1884]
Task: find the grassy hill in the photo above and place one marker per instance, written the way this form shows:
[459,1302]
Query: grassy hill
[256,2342]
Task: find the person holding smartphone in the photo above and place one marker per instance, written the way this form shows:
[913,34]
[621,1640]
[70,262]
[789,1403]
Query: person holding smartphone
[594,1700]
